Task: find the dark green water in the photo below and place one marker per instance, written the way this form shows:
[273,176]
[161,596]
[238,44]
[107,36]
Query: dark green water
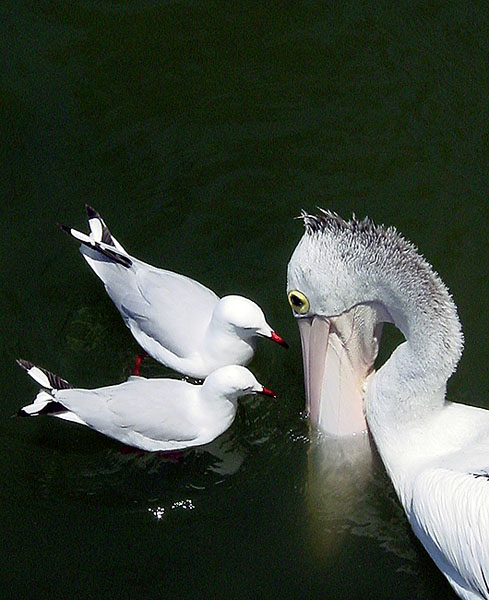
[199,130]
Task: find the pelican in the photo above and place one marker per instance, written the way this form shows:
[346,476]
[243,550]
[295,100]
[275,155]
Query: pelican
[149,414]
[177,320]
[346,278]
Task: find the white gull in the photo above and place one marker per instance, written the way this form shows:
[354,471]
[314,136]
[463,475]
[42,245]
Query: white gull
[149,414]
[177,320]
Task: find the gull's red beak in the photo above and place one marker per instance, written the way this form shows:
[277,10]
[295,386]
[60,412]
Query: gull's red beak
[268,392]
[276,338]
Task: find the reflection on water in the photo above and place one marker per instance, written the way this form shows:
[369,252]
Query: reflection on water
[199,130]
[159,511]
[91,468]
[345,486]
[313,498]
[349,497]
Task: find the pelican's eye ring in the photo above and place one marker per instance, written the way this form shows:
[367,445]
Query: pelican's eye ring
[298,302]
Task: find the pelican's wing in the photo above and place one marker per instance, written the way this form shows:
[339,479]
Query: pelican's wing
[450,515]
[170,308]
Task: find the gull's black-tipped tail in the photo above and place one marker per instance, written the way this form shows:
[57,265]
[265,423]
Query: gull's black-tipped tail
[44,378]
[45,402]
[100,231]
[114,252]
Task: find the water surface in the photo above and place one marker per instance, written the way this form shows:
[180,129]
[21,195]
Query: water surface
[199,130]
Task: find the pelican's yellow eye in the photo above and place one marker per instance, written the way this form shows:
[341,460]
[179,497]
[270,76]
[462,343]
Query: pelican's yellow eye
[298,302]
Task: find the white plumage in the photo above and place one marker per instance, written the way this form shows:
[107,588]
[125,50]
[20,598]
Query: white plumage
[177,320]
[150,414]
[344,279]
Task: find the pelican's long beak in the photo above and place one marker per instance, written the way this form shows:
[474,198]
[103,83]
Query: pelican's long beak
[338,356]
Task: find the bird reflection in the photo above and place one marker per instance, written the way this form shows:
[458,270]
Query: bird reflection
[338,473]
[346,495]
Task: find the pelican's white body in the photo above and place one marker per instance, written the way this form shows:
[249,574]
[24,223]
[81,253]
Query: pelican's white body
[436,452]
[438,460]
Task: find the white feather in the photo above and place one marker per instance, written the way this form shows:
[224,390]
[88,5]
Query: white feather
[436,452]
[156,414]
[177,320]
[40,377]
[41,401]
[96,229]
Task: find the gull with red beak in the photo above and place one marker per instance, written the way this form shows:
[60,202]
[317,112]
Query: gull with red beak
[150,414]
[175,319]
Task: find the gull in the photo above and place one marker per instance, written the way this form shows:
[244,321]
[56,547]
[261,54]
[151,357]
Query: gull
[149,414]
[176,320]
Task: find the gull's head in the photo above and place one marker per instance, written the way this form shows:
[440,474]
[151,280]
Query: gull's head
[234,381]
[245,318]
[332,294]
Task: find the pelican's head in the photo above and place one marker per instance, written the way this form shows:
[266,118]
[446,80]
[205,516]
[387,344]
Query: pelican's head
[246,318]
[332,294]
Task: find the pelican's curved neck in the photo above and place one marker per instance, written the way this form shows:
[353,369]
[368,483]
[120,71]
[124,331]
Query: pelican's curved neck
[411,385]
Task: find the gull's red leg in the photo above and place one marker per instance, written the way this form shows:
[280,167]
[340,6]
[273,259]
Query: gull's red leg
[139,361]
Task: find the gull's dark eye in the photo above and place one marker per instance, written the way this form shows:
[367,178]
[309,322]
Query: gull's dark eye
[298,302]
